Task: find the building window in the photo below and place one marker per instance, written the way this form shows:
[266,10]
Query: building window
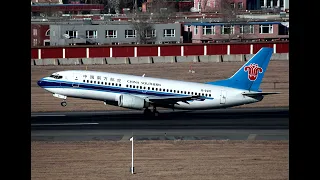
[46,42]
[93,34]
[48,32]
[150,33]
[232,5]
[111,34]
[208,3]
[227,29]
[283,30]
[35,42]
[35,32]
[130,33]
[240,5]
[169,42]
[208,30]
[266,29]
[72,34]
[246,29]
[188,28]
[169,33]
[195,29]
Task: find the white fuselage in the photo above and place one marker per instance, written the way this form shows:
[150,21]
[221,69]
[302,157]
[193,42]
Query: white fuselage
[108,87]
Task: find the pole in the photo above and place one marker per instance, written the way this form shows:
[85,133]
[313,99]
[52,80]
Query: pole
[131,139]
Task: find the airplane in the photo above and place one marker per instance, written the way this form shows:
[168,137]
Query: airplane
[142,93]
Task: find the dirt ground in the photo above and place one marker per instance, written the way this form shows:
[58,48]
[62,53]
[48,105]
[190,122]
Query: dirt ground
[241,160]
[276,79]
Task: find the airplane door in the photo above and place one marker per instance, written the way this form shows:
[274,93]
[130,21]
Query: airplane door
[223,97]
[76,80]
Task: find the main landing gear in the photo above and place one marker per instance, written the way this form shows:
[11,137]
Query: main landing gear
[148,112]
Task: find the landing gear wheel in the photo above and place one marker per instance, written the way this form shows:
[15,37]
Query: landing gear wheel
[64,104]
[155,112]
[147,111]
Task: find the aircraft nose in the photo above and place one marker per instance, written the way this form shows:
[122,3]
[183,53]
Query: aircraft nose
[39,82]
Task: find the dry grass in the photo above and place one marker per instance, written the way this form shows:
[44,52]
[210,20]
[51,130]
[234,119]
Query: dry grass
[241,160]
[278,71]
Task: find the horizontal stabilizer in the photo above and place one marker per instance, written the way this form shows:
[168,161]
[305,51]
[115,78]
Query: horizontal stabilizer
[251,94]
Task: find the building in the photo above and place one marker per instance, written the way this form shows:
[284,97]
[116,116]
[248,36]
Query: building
[40,35]
[113,33]
[197,32]
[174,5]
[265,4]
[217,5]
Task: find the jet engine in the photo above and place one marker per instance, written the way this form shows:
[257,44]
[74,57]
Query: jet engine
[132,102]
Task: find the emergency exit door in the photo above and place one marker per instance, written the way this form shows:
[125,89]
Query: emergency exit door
[76,80]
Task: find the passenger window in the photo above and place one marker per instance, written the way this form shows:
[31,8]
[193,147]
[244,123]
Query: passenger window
[148,88]
[119,84]
[191,93]
[130,86]
[112,84]
[195,93]
[206,94]
[174,91]
[105,83]
[109,84]
[134,86]
[84,80]
[144,87]
[209,95]
[185,92]
[87,81]
[90,81]
[152,89]
[94,82]
[156,89]
[127,85]
[159,89]
[98,82]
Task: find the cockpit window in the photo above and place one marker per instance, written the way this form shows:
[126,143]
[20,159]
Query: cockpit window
[56,76]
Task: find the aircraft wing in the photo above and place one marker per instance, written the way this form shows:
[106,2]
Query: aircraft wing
[252,94]
[174,99]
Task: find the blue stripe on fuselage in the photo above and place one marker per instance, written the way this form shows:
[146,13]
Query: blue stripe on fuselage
[48,83]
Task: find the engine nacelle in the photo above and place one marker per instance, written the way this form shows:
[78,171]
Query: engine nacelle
[132,102]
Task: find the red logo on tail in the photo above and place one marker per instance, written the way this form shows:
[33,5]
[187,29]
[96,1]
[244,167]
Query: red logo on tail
[253,70]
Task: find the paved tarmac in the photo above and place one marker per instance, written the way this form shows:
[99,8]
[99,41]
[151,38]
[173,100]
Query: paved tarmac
[226,124]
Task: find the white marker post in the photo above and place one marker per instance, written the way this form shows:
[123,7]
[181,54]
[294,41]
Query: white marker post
[132,168]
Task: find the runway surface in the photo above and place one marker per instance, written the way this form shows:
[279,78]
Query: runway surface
[228,124]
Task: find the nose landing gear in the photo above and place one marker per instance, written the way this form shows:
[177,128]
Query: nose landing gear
[63,103]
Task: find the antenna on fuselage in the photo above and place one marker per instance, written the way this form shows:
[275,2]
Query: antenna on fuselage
[143,75]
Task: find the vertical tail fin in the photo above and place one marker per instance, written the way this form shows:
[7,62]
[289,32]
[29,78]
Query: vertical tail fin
[250,75]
